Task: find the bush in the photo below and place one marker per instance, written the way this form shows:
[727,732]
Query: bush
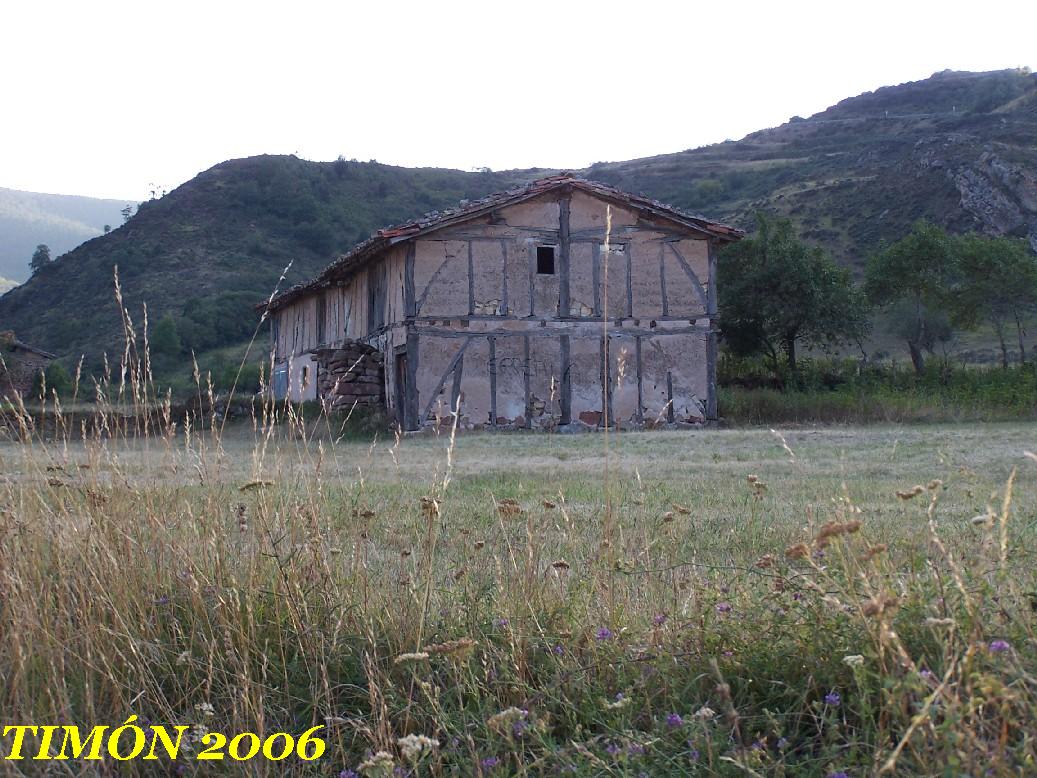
[58,381]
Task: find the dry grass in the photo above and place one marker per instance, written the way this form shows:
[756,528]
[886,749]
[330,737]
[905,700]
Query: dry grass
[288,580]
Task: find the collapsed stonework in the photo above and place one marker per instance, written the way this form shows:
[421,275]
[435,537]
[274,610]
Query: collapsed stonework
[352,373]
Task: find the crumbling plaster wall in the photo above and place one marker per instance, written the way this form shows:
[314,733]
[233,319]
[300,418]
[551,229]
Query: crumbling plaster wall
[498,336]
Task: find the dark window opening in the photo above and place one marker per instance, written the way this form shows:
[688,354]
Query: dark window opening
[545,260]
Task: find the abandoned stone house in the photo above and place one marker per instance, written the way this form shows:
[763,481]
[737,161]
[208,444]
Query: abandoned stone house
[560,302]
[20,364]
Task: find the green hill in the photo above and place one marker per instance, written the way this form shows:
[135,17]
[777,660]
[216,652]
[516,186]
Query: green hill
[958,148]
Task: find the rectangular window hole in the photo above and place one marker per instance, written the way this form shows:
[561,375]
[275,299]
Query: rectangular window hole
[545,260]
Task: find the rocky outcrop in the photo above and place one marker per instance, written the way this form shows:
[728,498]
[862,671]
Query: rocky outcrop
[351,374]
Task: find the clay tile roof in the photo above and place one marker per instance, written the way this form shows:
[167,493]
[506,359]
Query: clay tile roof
[468,209]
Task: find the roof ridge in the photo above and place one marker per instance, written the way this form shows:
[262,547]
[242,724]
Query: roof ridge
[386,236]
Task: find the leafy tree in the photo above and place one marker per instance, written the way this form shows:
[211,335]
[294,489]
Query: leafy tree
[777,293]
[58,381]
[107,228]
[40,258]
[126,212]
[998,284]
[164,339]
[914,277]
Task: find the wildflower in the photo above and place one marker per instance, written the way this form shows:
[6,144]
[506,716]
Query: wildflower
[997,646]
[558,650]
[674,720]
[379,764]
[604,634]
[838,774]
[163,600]
[705,713]
[621,701]
[853,660]
[724,607]
[833,699]
[659,619]
[489,762]
[347,773]
[500,622]
[612,749]
[518,729]
[501,722]
[635,749]
[413,747]
[926,673]
[782,744]
[414,656]
[693,755]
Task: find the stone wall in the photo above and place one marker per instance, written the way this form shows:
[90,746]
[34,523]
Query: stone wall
[351,374]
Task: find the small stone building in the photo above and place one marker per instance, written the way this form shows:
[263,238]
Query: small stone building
[561,302]
[20,363]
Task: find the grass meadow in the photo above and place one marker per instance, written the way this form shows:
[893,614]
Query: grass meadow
[716,602]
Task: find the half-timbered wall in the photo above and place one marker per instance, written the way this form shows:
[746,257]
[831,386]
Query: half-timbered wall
[483,331]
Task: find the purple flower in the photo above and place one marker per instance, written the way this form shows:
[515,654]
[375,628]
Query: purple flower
[833,699]
[782,744]
[500,623]
[635,749]
[729,653]
[604,634]
[724,607]
[519,728]
[558,650]
[997,646]
[693,755]
[612,749]
[674,720]
[926,673]
[757,745]
[659,619]
[838,774]
[619,696]
[347,773]
[489,762]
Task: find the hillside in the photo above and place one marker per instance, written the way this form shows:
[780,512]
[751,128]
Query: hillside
[61,221]
[957,148]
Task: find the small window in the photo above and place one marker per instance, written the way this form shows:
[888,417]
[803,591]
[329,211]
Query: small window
[545,260]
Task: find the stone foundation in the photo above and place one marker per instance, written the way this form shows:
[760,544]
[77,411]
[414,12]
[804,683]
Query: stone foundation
[351,374]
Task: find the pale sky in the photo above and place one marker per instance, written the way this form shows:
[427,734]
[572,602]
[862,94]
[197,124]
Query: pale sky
[107,98]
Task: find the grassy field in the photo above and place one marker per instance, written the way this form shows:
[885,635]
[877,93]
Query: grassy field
[730,602]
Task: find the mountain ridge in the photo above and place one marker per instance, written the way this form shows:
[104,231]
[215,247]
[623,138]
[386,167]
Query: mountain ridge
[959,149]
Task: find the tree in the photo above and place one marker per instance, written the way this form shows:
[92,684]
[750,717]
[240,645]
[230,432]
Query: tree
[777,293]
[914,278]
[107,228]
[40,258]
[56,379]
[126,212]
[997,284]
[164,339]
